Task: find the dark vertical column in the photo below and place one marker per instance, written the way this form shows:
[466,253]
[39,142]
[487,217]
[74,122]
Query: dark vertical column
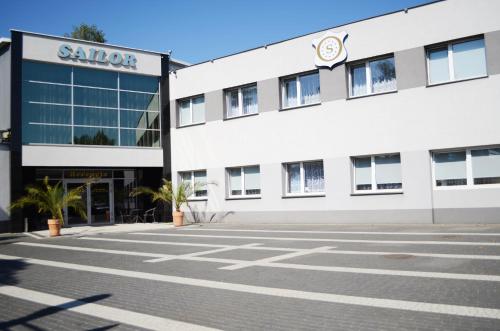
[165,128]
[16,170]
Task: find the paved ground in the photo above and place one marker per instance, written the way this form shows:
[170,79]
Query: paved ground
[286,277]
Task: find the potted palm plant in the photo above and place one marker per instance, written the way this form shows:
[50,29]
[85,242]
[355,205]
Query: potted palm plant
[177,196]
[51,200]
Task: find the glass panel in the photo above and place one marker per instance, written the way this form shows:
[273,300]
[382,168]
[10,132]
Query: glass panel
[363,173]
[140,83]
[184,112]
[139,101]
[249,100]
[95,116]
[42,113]
[200,177]
[46,134]
[93,77]
[438,66]
[100,203]
[290,87]
[49,93]
[293,174]
[233,108]
[309,89]
[199,110]
[123,202]
[450,168]
[383,74]
[388,172]
[73,217]
[314,178]
[235,181]
[486,166]
[138,119]
[95,136]
[95,97]
[185,177]
[51,173]
[358,80]
[252,180]
[141,138]
[46,72]
[469,59]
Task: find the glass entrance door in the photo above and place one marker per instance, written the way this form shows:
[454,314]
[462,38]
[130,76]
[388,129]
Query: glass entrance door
[72,217]
[98,199]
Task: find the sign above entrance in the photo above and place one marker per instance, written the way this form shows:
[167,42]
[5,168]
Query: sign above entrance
[330,49]
[96,55]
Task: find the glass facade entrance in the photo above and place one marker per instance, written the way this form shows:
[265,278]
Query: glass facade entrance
[98,199]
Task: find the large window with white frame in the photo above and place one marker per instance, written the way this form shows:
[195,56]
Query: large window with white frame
[372,77]
[300,90]
[467,167]
[377,173]
[243,181]
[304,178]
[192,110]
[197,180]
[241,101]
[456,61]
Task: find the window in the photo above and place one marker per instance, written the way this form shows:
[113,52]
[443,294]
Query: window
[467,167]
[243,181]
[372,77]
[377,173]
[456,61]
[300,90]
[199,178]
[73,105]
[192,111]
[304,178]
[242,101]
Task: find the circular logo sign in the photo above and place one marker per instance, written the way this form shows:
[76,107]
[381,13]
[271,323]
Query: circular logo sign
[329,48]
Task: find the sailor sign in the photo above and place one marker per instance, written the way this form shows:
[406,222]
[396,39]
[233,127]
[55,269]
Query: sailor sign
[330,49]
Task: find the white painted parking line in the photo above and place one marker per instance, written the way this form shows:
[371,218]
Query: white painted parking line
[271,262]
[33,235]
[458,243]
[405,305]
[100,311]
[491,234]
[276,258]
[284,249]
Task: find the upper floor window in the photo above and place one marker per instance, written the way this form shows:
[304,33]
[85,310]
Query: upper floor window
[192,111]
[242,101]
[372,77]
[300,90]
[243,181]
[304,178]
[377,173]
[197,181]
[456,61]
[467,167]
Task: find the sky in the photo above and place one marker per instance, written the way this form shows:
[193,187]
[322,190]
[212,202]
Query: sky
[195,30]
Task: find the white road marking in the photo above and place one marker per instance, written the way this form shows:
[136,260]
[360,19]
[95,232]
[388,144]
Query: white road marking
[100,311]
[349,232]
[270,262]
[458,243]
[32,235]
[437,308]
[275,258]
[436,255]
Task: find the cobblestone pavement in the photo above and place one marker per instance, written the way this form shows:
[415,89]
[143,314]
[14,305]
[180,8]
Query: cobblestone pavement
[254,277]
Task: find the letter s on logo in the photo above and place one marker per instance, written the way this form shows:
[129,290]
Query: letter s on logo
[329,48]
[64,51]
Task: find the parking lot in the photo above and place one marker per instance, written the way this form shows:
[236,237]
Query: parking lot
[234,277]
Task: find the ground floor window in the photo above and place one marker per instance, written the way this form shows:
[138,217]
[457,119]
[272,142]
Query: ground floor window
[467,167]
[304,177]
[243,181]
[197,181]
[377,173]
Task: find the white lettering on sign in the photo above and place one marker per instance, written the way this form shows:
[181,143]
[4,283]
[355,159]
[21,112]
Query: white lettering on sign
[96,55]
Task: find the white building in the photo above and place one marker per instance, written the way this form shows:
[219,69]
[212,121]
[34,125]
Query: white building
[404,131]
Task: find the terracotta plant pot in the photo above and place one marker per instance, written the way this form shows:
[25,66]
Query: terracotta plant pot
[54,227]
[178,218]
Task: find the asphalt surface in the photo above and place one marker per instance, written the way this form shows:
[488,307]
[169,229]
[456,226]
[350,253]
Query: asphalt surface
[255,277]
